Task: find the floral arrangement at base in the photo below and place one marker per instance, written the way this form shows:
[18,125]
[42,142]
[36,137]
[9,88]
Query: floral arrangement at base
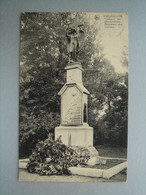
[54,158]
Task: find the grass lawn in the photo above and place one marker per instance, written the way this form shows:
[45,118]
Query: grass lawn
[109,163]
[109,151]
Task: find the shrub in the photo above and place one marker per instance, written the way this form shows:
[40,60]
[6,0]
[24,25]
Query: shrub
[54,158]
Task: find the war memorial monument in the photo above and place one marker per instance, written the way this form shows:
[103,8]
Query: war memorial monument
[74,129]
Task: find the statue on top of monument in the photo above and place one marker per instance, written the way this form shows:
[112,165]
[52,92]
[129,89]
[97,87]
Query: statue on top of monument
[75,38]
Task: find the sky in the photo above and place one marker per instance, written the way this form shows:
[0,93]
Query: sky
[113,34]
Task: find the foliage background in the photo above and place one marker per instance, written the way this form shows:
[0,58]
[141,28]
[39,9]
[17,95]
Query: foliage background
[42,60]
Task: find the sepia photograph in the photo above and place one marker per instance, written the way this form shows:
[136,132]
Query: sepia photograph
[73,97]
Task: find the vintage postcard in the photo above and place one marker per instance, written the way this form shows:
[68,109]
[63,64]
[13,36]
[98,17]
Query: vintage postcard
[73,108]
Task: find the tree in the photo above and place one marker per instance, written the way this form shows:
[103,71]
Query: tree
[41,75]
[42,60]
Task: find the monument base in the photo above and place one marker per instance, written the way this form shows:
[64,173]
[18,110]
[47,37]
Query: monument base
[75,135]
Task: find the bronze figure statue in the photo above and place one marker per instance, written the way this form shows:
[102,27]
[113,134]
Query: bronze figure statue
[75,37]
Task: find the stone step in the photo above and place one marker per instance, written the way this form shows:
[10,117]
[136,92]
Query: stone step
[114,170]
[103,173]
[89,172]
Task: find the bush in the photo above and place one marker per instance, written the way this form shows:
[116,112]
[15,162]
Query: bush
[54,158]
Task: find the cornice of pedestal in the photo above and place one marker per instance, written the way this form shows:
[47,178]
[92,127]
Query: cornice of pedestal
[74,65]
[78,85]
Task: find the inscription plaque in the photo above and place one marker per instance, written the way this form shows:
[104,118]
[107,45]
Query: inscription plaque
[71,107]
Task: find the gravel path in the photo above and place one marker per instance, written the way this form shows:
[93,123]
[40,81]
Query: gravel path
[25,176]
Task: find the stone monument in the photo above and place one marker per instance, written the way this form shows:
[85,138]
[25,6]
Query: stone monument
[74,129]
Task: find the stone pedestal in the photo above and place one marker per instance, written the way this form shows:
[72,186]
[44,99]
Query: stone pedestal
[74,128]
[75,135]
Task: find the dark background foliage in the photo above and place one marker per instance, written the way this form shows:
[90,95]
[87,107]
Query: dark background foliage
[43,57]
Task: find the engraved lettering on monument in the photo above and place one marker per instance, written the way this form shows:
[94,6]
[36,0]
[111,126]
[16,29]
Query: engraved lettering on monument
[71,106]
